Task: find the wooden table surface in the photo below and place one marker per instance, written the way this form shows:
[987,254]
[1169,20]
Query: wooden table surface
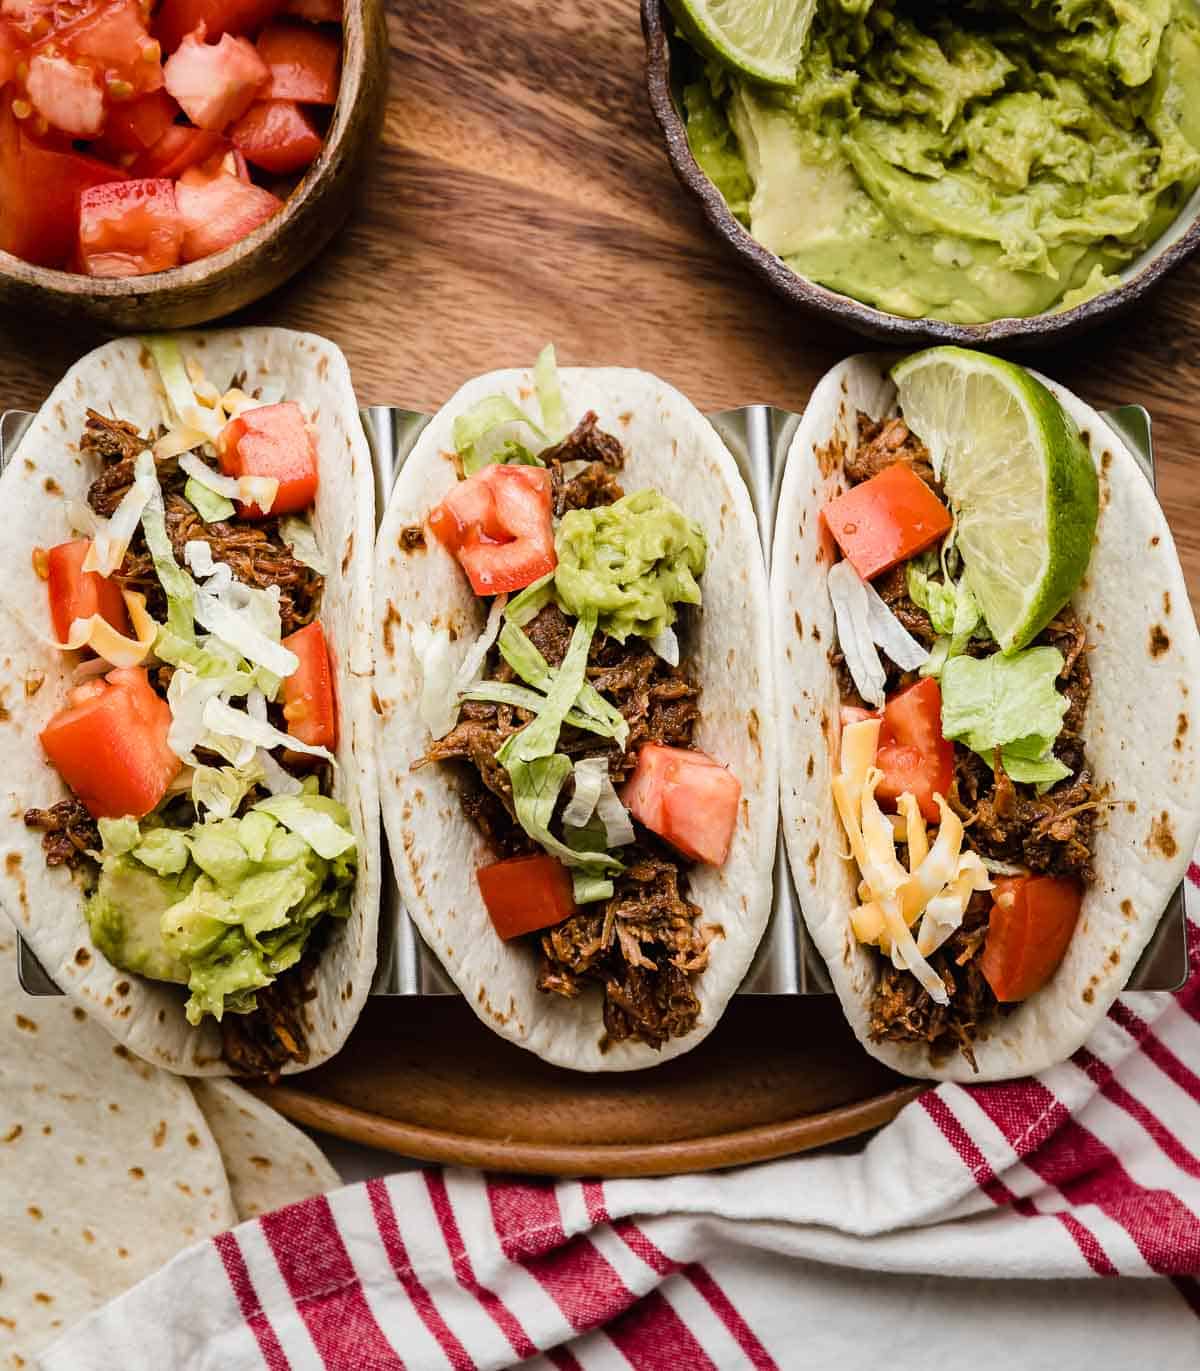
[522,194]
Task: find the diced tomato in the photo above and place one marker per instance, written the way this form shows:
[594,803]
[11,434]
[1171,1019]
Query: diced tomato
[308,703]
[66,95]
[10,53]
[1029,930]
[685,797]
[272,440]
[231,162]
[886,520]
[179,148]
[277,135]
[177,18]
[129,228]
[526,893]
[78,594]
[135,125]
[110,745]
[304,62]
[111,37]
[39,194]
[218,211]
[215,83]
[912,753]
[315,11]
[497,523]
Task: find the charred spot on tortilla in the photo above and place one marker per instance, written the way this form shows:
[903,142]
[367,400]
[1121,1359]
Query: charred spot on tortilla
[1159,642]
[1127,908]
[412,538]
[82,956]
[347,554]
[1167,603]
[12,862]
[1161,838]
[816,634]
[752,730]
[798,623]
[1154,541]
[26,1025]
[1106,459]
[390,619]
[810,767]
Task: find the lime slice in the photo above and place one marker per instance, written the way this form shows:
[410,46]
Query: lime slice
[764,39]
[1019,479]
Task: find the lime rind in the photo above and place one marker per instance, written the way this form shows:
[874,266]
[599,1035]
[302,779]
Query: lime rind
[762,39]
[1019,478]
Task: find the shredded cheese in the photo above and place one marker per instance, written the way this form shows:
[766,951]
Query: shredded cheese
[934,887]
[104,640]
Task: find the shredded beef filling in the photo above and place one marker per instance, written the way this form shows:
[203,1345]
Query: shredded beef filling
[645,944]
[1051,834]
[256,553]
[68,832]
[903,1011]
[261,1043]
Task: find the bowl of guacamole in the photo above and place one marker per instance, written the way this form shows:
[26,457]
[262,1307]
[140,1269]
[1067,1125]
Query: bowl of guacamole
[969,172]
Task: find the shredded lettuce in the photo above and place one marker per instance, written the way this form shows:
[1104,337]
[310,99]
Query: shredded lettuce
[497,429]
[522,655]
[588,886]
[210,506]
[540,737]
[1009,703]
[299,536]
[537,771]
[549,393]
[168,357]
[521,697]
[951,605]
[247,618]
[176,583]
[225,724]
[492,430]
[529,603]
[438,707]
[323,823]
[220,790]
[536,788]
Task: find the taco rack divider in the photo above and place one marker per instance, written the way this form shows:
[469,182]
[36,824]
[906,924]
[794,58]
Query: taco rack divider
[786,964]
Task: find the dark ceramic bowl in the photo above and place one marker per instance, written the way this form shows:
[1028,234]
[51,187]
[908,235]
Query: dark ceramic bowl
[1168,252]
[264,259]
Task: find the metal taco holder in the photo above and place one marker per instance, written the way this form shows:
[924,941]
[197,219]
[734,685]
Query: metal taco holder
[758,436]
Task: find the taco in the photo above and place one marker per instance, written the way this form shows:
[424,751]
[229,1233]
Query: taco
[190,830]
[576,727]
[991,786]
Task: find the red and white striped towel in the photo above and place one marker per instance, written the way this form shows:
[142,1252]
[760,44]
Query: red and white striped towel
[1093,1168]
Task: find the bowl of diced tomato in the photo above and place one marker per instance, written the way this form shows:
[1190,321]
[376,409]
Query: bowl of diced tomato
[163,162]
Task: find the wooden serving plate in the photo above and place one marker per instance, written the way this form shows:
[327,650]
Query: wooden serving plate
[423,1078]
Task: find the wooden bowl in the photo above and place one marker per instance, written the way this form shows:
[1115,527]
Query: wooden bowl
[1180,240]
[264,259]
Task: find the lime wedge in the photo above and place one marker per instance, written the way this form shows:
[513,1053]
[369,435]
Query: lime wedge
[763,39]
[1019,478]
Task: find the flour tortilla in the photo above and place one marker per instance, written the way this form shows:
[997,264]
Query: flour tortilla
[671,447]
[45,472]
[107,1167]
[1142,743]
[270,1163]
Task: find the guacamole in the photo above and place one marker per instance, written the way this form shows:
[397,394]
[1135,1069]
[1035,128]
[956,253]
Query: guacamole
[226,906]
[965,162]
[632,562]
